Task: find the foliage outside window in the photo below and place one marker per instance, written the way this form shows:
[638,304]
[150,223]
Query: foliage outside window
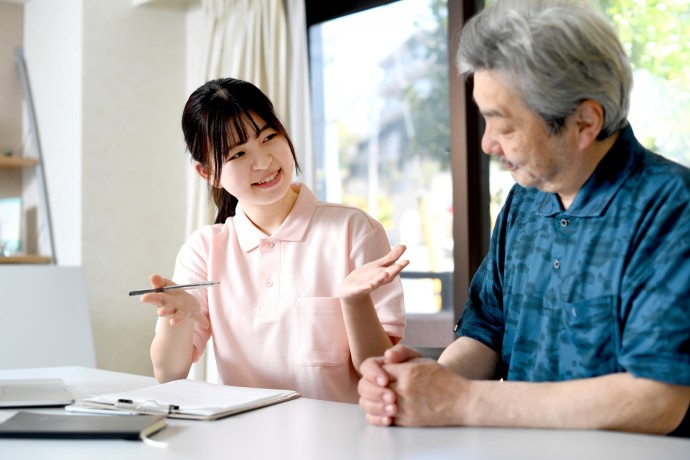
[656,37]
[380,83]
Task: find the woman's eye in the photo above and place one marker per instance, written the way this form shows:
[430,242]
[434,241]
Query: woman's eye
[236,156]
[270,136]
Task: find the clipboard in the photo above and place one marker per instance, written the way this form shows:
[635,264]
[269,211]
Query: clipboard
[190,399]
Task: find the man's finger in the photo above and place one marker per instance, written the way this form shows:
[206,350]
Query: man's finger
[379,420]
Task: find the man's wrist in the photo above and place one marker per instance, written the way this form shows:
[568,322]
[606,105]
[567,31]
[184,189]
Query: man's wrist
[464,409]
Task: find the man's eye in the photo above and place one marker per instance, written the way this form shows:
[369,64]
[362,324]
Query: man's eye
[503,130]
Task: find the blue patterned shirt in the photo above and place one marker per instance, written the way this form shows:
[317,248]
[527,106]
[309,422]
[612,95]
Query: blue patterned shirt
[600,288]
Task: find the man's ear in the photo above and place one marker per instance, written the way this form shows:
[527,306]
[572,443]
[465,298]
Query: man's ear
[589,117]
[202,171]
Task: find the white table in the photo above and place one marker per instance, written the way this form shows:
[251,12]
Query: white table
[306,429]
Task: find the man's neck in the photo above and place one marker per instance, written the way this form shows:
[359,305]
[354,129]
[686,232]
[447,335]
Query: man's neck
[590,160]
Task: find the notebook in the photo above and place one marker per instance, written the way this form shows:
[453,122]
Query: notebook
[34,393]
[26,424]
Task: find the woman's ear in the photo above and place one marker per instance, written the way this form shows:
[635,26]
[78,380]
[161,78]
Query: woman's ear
[589,117]
[203,172]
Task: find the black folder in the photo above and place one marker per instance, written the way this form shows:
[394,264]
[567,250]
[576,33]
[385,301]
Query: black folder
[26,424]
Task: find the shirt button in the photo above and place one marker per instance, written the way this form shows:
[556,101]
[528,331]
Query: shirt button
[556,264]
[564,222]
[269,244]
[269,283]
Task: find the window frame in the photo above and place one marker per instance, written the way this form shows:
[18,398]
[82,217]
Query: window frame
[469,167]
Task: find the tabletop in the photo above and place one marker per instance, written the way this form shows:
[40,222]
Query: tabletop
[308,429]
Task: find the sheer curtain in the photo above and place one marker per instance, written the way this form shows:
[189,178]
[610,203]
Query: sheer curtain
[264,42]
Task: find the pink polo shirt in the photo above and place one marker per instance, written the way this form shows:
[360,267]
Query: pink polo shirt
[275,318]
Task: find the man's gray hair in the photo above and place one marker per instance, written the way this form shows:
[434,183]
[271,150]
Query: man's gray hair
[555,54]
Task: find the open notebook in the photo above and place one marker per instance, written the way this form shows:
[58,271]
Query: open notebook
[34,393]
[190,399]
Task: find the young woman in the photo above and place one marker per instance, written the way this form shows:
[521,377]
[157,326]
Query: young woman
[295,307]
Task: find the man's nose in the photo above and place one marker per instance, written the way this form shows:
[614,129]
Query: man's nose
[489,144]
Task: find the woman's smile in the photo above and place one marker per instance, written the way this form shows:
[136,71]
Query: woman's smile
[270,180]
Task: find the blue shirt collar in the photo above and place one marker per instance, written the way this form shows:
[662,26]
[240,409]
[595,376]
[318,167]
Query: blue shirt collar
[598,191]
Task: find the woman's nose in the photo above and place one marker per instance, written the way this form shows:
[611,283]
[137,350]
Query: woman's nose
[262,159]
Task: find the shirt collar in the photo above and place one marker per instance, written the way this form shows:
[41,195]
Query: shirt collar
[292,229]
[598,191]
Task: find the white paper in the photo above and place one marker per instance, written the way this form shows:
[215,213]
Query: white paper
[196,397]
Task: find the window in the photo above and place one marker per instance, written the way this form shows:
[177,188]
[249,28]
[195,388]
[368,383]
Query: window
[656,37]
[383,138]
[389,108]
[656,33]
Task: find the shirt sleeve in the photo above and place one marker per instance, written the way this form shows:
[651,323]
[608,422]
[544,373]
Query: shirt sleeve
[388,299]
[655,314]
[482,318]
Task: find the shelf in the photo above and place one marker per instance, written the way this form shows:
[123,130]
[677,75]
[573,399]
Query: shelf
[17,162]
[25,259]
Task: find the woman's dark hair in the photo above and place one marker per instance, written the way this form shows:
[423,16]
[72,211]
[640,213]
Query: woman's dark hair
[215,118]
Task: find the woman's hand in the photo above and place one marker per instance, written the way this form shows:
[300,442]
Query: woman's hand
[176,305]
[367,278]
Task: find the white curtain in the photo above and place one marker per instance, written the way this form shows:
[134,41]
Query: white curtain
[263,42]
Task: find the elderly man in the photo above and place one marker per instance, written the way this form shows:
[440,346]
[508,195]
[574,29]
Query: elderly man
[579,316]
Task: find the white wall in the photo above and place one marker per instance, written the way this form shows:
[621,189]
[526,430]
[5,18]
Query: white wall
[109,84]
[52,49]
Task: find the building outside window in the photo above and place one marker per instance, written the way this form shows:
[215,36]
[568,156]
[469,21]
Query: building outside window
[382,132]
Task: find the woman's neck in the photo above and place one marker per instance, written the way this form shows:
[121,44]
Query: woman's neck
[268,218]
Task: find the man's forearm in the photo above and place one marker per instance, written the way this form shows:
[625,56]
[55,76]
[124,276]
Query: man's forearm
[470,358]
[614,402]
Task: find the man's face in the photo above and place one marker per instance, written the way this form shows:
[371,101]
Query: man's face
[520,138]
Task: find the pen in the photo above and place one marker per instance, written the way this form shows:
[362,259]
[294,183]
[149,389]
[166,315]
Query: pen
[94,410]
[176,286]
[146,407]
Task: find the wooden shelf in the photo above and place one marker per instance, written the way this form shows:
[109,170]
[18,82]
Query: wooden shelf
[17,162]
[25,259]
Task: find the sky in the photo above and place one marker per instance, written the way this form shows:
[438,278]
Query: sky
[358,43]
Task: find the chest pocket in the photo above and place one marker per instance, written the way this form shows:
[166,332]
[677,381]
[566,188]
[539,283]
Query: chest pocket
[320,332]
[589,338]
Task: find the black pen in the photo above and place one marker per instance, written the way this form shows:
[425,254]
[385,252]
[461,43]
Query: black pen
[175,286]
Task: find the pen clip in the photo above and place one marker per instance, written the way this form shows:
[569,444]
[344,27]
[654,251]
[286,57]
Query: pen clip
[147,407]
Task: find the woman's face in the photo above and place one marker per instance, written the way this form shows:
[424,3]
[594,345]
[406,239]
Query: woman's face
[258,172]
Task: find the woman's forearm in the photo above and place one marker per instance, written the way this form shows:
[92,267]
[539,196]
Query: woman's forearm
[172,351]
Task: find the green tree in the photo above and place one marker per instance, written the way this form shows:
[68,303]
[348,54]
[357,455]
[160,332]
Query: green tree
[656,36]
[430,108]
